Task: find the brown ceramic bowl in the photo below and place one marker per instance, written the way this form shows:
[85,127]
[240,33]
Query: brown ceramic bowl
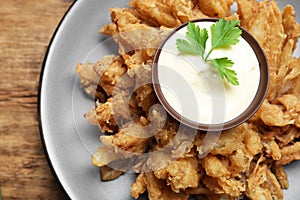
[246,114]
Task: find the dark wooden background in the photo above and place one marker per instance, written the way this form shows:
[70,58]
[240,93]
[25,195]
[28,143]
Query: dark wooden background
[26,27]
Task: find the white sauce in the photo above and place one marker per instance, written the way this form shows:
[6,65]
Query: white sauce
[195,90]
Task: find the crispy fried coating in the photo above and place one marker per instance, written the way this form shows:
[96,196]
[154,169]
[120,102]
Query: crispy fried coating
[232,186]
[105,117]
[289,153]
[111,75]
[139,186]
[135,136]
[90,75]
[146,97]
[157,189]
[291,27]
[107,173]
[212,184]
[252,141]
[156,11]
[215,167]
[131,138]
[266,28]
[165,136]
[240,160]
[247,9]
[117,111]
[272,149]
[89,79]
[223,185]
[137,59]
[273,115]
[281,176]
[226,143]
[292,106]
[216,8]
[216,197]
[141,73]
[262,184]
[168,13]
[181,174]
[132,33]
[286,135]
[186,10]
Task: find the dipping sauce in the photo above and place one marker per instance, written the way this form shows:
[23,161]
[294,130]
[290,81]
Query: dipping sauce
[192,90]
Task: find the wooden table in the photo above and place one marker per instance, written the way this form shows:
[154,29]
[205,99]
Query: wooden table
[26,27]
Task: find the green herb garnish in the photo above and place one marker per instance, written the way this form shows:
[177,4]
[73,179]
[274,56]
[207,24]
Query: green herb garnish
[223,34]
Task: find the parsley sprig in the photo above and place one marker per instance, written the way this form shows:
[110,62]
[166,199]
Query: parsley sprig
[223,34]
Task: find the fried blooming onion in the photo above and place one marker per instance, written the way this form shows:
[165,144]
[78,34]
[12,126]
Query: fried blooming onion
[246,161]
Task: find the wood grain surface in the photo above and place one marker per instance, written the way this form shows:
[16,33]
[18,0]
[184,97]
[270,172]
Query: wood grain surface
[26,27]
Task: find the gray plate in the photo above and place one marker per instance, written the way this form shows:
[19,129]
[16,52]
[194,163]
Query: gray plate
[68,139]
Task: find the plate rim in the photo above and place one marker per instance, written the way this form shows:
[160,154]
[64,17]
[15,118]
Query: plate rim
[41,78]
